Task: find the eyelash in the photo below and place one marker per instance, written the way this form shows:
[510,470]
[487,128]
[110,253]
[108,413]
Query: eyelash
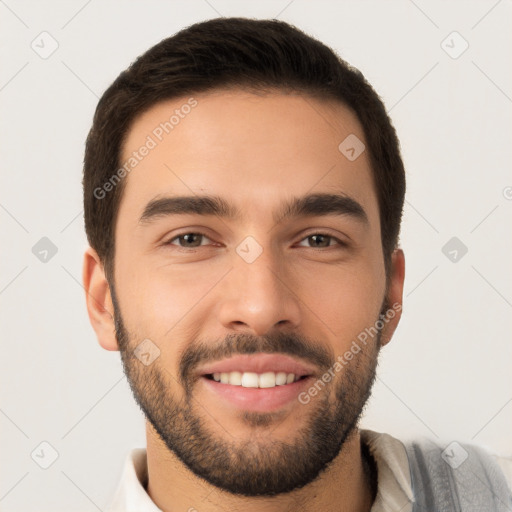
[340,243]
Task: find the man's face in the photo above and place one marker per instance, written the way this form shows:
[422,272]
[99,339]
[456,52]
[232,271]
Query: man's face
[207,288]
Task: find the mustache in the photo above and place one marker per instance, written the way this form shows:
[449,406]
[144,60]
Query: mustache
[200,352]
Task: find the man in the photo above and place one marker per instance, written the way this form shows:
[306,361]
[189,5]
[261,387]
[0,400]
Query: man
[243,192]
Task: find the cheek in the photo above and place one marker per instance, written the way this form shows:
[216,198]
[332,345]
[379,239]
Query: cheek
[161,301]
[346,300]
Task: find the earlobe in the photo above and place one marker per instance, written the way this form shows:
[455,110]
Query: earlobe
[98,300]
[394,295]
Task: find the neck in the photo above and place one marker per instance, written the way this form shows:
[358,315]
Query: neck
[344,486]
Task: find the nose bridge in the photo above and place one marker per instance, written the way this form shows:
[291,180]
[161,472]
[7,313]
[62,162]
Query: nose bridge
[258,295]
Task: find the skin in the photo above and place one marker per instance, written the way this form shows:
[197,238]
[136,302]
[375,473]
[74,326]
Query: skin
[256,151]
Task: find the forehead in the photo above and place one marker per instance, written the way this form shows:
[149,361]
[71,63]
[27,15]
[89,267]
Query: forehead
[250,148]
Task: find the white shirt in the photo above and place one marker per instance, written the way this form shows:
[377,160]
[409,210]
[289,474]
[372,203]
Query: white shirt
[394,482]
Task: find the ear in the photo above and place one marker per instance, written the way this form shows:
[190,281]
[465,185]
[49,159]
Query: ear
[99,300]
[394,296]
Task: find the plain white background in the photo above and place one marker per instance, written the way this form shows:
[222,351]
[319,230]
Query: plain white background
[445,375]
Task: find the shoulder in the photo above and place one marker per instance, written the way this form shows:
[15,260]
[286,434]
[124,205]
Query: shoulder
[430,469]
[505,464]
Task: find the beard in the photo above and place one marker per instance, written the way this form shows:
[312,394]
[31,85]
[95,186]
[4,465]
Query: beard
[258,465]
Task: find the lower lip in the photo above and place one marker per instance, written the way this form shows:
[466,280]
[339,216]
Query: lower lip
[257,399]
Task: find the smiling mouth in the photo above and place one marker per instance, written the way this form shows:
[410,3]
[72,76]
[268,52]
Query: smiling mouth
[255,380]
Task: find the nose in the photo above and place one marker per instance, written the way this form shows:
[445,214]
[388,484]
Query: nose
[258,297]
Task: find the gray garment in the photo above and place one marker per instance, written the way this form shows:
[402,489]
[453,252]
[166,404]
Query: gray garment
[459,478]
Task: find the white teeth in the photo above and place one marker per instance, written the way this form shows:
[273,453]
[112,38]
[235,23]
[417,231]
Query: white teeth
[267,380]
[255,380]
[249,380]
[235,378]
[280,378]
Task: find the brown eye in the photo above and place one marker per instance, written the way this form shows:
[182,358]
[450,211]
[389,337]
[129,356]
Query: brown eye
[188,240]
[322,240]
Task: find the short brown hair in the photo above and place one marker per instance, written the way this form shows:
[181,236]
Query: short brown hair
[226,53]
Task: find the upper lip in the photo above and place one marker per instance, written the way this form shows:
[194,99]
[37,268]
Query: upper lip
[259,363]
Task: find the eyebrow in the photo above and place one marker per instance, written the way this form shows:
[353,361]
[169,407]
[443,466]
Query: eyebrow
[308,205]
